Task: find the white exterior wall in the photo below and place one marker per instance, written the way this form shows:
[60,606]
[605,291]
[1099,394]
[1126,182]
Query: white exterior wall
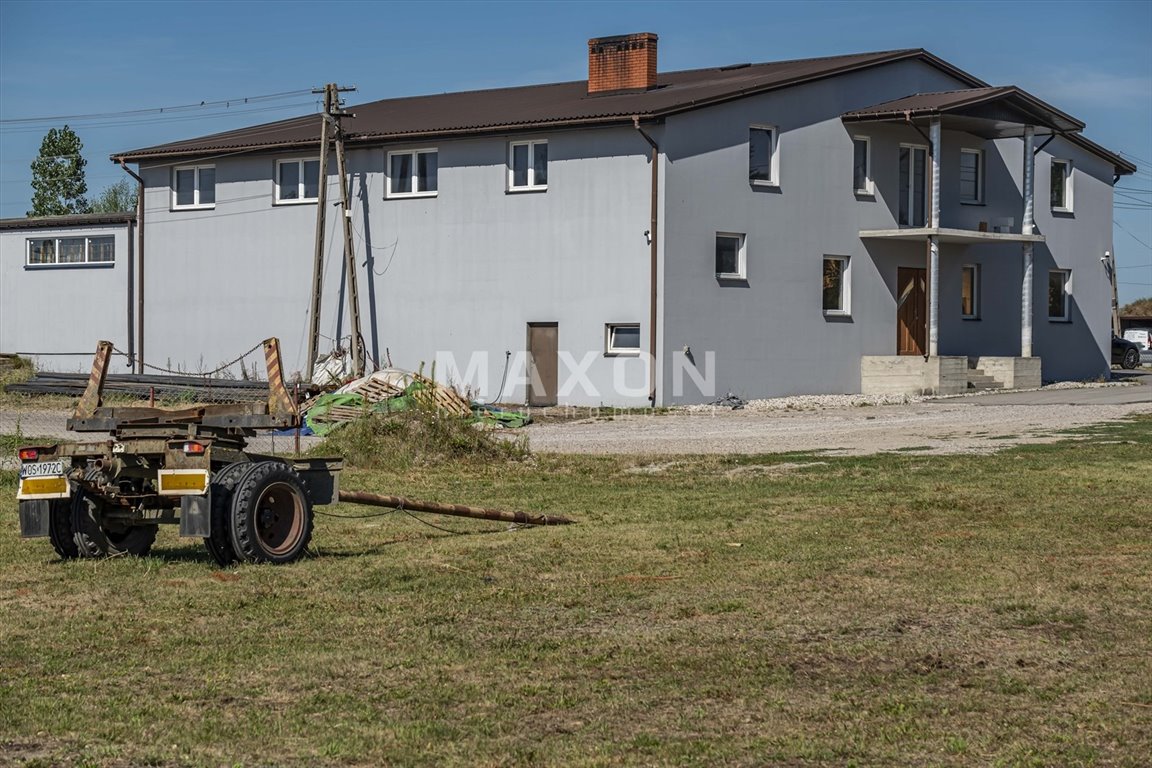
[56,313]
[441,277]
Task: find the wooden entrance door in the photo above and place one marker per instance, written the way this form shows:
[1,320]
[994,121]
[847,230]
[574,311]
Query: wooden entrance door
[911,310]
[543,362]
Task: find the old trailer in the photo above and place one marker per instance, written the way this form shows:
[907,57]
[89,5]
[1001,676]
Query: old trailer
[188,467]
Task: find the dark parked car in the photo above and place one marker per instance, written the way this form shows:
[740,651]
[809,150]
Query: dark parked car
[1125,354]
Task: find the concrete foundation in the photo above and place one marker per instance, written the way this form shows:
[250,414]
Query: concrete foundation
[1012,372]
[913,375]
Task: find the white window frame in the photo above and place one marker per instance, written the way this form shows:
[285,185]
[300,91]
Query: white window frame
[912,185]
[87,262]
[773,157]
[1067,288]
[299,161]
[1067,207]
[869,187]
[845,309]
[741,256]
[388,193]
[196,204]
[610,349]
[979,198]
[975,314]
[531,186]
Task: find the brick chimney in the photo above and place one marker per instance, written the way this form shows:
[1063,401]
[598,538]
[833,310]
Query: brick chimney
[622,63]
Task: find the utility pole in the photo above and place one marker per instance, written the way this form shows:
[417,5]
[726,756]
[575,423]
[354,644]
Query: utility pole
[1115,298]
[329,120]
[350,258]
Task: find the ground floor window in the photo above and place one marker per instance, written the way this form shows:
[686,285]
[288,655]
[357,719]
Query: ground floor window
[63,251]
[1059,285]
[835,285]
[731,262]
[970,291]
[622,339]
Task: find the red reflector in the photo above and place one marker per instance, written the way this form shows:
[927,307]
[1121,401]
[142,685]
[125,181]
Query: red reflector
[29,454]
[193,449]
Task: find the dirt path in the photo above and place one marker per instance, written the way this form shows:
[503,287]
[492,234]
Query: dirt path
[953,426]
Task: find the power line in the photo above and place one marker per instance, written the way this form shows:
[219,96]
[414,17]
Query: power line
[159,110]
[1149,247]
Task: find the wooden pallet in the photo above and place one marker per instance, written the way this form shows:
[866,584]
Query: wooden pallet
[375,391]
[341,413]
[442,398]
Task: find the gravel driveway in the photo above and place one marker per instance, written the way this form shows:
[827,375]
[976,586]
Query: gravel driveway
[973,424]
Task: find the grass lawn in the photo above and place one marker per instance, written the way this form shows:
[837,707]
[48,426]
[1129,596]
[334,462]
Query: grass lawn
[791,610]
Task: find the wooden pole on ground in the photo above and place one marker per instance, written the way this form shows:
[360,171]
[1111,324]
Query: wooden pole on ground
[456,510]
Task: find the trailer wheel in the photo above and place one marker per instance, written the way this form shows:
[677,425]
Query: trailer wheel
[94,539]
[219,543]
[60,529]
[271,519]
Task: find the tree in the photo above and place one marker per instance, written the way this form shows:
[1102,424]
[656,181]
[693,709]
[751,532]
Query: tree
[58,185]
[1139,308]
[116,198]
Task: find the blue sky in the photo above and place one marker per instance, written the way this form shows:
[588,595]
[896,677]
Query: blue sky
[1093,60]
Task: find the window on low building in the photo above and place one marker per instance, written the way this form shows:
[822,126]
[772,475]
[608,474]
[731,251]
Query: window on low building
[1059,289]
[1061,182]
[731,262]
[835,285]
[622,339]
[763,165]
[970,291]
[57,251]
[971,176]
[298,181]
[194,186]
[913,187]
[862,165]
[413,173]
[527,166]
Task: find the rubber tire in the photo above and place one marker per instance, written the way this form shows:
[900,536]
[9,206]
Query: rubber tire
[60,529]
[219,543]
[94,540]
[247,540]
[1131,359]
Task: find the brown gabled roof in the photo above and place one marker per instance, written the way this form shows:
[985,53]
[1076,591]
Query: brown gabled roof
[539,106]
[71,220]
[991,112]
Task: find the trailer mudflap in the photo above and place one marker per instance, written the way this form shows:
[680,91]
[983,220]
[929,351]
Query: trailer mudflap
[34,518]
[196,515]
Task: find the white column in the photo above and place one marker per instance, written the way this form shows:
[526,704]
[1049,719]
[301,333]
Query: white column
[934,243]
[1026,229]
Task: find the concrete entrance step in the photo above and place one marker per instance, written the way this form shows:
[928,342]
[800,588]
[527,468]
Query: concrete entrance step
[977,379]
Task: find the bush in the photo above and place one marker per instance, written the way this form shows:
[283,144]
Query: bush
[421,436]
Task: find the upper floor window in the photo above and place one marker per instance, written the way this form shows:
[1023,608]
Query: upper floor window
[1059,289]
[836,285]
[527,165]
[413,173]
[1062,185]
[297,181]
[763,165]
[731,260]
[194,186]
[862,165]
[55,251]
[971,176]
[913,187]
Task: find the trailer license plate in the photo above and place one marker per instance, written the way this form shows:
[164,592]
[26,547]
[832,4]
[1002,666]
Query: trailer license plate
[43,480]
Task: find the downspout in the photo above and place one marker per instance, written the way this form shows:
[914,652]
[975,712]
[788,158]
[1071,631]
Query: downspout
[139,266]
[653,252]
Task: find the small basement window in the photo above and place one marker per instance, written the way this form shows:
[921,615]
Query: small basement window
[622,339]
